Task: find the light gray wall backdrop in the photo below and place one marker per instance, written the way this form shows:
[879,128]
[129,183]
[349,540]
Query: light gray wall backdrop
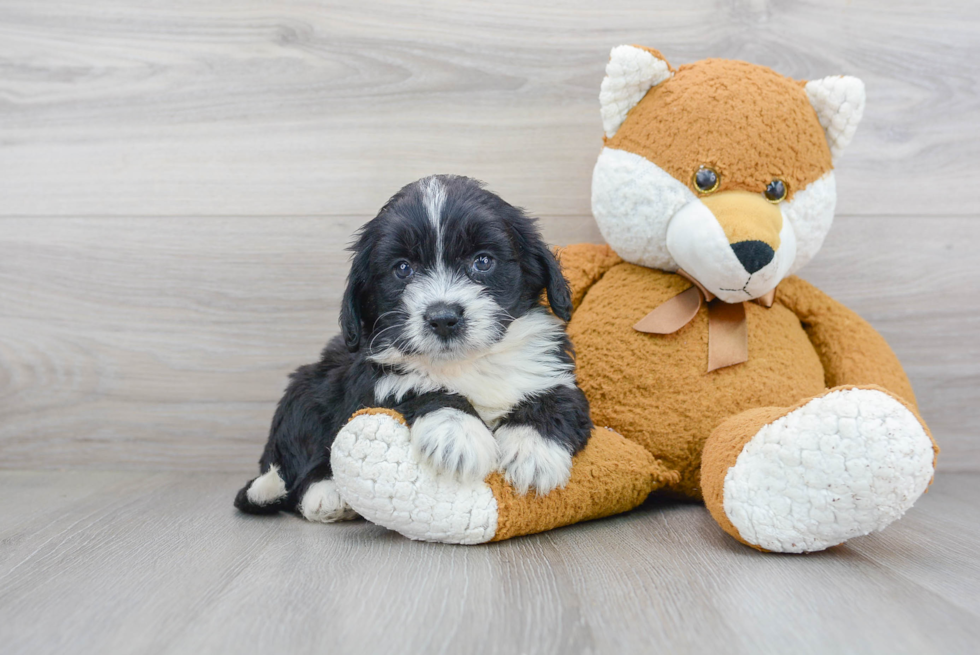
[178,182]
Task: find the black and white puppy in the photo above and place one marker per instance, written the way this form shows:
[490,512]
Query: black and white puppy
[441,320]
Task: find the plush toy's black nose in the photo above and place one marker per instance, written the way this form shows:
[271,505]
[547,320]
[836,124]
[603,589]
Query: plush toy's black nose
[754,255]
[444,318]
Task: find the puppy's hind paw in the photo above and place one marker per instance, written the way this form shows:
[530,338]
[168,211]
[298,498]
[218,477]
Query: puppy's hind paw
[322,504]
[530,460]
[455,442]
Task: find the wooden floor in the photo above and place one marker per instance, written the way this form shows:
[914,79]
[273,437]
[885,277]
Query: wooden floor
[123,562]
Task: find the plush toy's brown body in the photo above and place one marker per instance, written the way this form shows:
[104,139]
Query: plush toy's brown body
[653,389]
[810,438]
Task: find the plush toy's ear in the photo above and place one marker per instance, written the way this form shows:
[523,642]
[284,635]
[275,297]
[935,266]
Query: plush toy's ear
[630,73]
[839,103]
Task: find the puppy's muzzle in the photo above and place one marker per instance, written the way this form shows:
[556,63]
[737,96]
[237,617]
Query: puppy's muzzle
[445,319]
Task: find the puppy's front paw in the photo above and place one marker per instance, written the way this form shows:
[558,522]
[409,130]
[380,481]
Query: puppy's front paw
[456,442]
[531,460]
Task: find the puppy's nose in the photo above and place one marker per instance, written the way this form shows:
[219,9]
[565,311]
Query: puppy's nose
[443,318]
[754,255]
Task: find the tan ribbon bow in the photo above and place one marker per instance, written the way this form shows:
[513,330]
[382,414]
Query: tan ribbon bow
[728,334]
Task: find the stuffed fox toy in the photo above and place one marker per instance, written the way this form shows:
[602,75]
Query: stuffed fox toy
[714,372]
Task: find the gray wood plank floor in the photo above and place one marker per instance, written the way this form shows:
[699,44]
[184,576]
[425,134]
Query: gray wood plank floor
[125,562]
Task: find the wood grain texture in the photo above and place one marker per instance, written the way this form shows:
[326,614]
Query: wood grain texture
[161,563]
[165,343]
[178,180]
[162,343]
[244,107]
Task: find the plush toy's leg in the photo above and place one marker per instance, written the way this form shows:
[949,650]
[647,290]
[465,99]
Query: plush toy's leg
[379,477]
[805,478]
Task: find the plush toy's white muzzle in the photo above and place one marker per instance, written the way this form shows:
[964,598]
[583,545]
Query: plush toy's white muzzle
[698,243]
[652,219]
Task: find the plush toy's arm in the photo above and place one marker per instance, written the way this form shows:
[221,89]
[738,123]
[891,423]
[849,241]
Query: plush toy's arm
[584,264]
[851,351]
[377,472]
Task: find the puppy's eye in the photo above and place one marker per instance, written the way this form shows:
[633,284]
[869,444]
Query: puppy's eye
[403,270]
[776,191]
[482,263]
[706,180]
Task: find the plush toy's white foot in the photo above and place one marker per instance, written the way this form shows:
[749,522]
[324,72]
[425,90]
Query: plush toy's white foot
[843,465]
[322,503]
[378,475]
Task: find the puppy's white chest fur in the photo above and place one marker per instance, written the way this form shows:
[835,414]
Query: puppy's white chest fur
[521,365]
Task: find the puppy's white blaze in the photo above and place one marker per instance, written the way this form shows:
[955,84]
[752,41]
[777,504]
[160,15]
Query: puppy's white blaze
[522,364]
[267,488]
[434,199]
[322,504]
[456,442]
[481,314]
[529,460]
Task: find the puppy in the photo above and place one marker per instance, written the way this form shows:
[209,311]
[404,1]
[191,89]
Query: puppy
[442,320]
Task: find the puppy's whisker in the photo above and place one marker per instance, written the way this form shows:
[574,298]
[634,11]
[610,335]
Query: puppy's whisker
[379,333]
[388,313]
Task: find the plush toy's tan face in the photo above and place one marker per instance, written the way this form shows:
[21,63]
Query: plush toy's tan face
[722,168]
[747,123]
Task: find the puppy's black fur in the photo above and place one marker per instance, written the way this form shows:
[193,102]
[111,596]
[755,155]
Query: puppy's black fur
[473,223]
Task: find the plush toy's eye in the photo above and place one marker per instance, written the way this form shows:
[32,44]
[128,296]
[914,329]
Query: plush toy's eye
[482,263]
[776,191]
[403,270]
[706,180]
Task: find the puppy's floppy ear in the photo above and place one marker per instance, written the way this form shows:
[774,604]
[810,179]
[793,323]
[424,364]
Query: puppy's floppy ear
[351,306]
[559,294]
[542,267]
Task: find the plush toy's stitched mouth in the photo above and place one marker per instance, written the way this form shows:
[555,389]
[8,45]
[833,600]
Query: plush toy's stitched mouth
[744,289]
